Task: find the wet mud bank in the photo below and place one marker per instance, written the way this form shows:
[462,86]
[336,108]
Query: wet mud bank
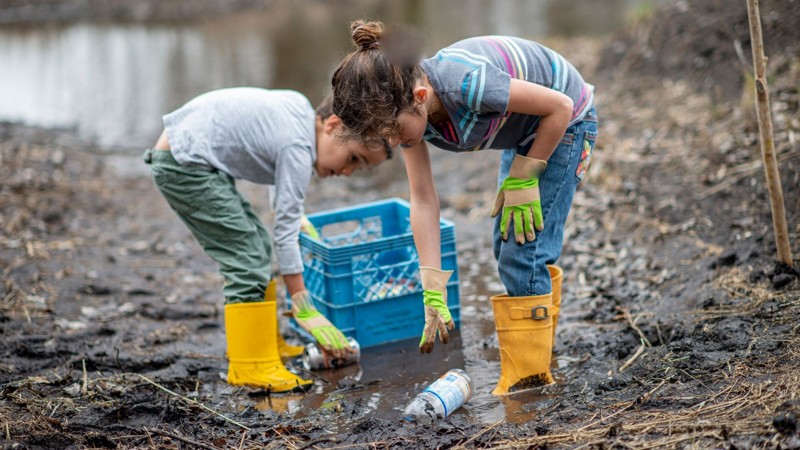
[678,329]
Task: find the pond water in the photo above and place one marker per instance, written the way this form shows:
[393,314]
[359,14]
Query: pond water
[111,82]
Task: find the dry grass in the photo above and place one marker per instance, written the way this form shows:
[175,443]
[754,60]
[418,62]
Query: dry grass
[742,404]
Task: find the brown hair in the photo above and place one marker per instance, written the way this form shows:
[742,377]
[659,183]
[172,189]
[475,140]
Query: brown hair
[375,83]
[325,110]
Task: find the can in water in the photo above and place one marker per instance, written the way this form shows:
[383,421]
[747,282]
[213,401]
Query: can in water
[441,398]
[315,358]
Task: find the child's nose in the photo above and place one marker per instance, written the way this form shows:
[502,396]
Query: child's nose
[393,141]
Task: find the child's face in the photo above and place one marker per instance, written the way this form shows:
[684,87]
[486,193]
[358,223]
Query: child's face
[337,156]
[412,128]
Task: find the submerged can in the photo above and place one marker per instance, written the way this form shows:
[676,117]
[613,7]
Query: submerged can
[315,358]
[442,397]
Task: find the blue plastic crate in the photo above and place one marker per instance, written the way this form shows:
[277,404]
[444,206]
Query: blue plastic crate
[363,273]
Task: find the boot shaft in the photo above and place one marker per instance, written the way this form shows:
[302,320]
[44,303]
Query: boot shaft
[525,336]
[248,328]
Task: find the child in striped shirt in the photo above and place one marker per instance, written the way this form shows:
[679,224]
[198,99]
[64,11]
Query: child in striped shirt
[494,92]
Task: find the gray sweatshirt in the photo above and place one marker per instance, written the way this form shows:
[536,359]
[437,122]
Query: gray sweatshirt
[262,136]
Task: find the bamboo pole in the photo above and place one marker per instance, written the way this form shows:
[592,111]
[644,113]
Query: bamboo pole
[767,143]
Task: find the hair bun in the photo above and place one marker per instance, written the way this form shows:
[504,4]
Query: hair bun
[366,35]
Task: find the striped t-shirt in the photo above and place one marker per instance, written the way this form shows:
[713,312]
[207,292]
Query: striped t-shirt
[472,79]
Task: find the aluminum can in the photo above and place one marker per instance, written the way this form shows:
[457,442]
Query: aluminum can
[315,358]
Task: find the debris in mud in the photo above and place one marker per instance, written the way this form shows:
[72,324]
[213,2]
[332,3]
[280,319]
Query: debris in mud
[533,381]
[671,224]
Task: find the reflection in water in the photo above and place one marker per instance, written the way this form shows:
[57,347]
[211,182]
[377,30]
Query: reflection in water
[113,82]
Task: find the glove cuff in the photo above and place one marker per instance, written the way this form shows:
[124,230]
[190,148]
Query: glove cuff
[434,279]
[526,168]
[302,303]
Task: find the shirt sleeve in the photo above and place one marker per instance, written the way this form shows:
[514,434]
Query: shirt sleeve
[292,176]
[485,90]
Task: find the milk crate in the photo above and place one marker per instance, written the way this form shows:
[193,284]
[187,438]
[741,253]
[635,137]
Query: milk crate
[363,273]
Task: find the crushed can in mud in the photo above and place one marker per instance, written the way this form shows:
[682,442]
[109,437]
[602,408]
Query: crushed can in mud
[315,358]
[441,398]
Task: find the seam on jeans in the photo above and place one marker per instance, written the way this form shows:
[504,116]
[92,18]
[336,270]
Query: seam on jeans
[532,279]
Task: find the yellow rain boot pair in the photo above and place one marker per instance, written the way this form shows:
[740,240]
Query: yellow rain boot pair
[525,328]
[253,358]
[285,350]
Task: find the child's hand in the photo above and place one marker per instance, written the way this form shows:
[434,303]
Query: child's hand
[328,336]
[518,197]
[437,315]
[308,228]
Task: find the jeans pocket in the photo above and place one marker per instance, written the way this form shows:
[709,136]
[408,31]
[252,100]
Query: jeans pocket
[586,154]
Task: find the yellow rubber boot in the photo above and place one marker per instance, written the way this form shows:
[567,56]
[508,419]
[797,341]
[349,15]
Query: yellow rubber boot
[285,350]
[525,333]
[253,358]
[556,276]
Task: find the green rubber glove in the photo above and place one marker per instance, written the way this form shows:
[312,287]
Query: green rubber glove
[328,336]
[308,228]
[437,316]
[518,198]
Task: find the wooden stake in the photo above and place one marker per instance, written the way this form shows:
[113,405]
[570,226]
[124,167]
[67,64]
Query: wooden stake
[767,143]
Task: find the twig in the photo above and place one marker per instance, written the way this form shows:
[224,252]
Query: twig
[85,386]
[695,379]
[193,402]
[310,444]
[241,443]
[8,432]
[181,438]
[647,396]
[483,431]
[632,323]
[767,137]
[149,438]
[632,358]
[312,374]
[603,419]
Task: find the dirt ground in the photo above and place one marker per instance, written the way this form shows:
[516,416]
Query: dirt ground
[678,328]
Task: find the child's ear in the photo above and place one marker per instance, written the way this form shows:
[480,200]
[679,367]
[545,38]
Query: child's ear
[332,123]
[420,94]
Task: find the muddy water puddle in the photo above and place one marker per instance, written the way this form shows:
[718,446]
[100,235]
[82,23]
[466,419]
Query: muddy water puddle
[389,376]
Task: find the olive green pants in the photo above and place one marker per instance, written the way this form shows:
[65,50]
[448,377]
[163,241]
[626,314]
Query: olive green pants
[221,220]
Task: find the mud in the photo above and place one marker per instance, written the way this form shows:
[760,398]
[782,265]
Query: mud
[677,329]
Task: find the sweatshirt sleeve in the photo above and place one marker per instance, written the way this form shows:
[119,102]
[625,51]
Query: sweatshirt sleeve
[292,176]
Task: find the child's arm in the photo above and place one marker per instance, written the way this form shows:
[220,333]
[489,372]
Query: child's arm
[424,205]
[427,238]
[554,108]
[518,197]
[294,283]
[293,175]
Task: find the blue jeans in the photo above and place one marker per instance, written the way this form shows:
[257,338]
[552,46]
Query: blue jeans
[523,268]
